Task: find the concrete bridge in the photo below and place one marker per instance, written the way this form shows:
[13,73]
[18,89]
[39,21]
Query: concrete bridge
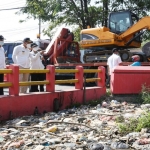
[16,104]
[124,80]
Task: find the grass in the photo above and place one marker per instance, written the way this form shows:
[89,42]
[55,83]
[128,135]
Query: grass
[145,94]
[136,124]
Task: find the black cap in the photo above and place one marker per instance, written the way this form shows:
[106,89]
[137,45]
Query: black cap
[1,37]
[33,45]
[114,50]
[27,40]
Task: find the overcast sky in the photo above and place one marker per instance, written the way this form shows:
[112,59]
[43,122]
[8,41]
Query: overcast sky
[10,27]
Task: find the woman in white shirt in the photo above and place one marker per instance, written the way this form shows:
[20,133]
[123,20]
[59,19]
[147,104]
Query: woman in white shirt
[36,63]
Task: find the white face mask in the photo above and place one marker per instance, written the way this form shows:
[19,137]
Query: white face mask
[35,49]
[28,45]
[1,43]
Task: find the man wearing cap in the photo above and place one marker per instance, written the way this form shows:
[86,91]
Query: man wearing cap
[113,61]
[36,63]
[2,62]
[20,57]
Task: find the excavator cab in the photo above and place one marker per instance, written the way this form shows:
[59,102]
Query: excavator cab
[119,22]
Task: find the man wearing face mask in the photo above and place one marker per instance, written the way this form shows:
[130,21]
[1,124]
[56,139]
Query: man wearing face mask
[2,62]
[136,60]
[20,56]
[36,63]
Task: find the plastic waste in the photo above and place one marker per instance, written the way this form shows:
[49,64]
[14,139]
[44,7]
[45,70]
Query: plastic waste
[52,129]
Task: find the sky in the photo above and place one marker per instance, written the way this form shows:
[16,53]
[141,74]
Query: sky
[12,29]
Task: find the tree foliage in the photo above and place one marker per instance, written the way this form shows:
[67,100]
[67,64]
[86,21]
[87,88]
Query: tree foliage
[81,12]
[78,12]
[139,7]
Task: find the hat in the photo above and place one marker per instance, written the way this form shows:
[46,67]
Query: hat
[33,45]
[27,40]
[136,58]
[1,37]
[114,50]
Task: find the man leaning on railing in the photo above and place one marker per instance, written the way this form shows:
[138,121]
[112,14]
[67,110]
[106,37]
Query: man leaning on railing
[2,62]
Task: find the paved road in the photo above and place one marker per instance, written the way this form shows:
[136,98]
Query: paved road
[57,88]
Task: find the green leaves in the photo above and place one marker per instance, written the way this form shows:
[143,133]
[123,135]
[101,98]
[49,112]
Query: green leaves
[135,125]
[78,12]
[81,12]
[145,94]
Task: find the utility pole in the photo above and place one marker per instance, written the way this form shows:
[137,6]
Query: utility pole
[39,35]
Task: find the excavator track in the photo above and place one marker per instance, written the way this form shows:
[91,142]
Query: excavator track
[102,56]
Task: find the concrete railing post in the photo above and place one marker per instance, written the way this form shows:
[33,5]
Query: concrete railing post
[14,79]
[51,78]
[79,76]
[6,75]
[101,75]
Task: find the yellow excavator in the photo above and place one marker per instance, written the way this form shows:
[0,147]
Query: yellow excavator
[124,31]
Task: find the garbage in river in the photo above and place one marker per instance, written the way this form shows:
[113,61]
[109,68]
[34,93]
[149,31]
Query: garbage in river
[83,128]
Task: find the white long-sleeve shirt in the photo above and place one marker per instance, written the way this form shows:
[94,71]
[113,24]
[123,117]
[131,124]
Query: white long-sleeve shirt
[21,55]
[35,61]
[2,58]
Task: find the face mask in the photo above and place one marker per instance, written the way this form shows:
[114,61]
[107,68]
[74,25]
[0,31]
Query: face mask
[28,45]
[35,49]
[1,43]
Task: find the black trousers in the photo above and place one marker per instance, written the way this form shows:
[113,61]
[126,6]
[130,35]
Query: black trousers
[108,81]
[37,77]
[1,80]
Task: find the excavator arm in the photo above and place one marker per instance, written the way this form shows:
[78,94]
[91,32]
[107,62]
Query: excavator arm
[143,23]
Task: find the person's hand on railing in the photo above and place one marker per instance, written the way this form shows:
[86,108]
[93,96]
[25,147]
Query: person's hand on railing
[39,49]
[42,52]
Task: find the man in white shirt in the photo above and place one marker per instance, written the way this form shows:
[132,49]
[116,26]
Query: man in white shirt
[2,62]
[20,57]
[113,61]
[36,63]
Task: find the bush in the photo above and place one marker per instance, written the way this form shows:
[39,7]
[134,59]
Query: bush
[135,125]
[119,119]
[127,127]
[108,92]
[145,94]
[143,122]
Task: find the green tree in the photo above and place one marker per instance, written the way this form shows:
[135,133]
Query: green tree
[105,11]
[80,12]
[76,33]
[139,7]
[71,12]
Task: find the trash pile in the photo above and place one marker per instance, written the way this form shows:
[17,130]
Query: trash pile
[84,128]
